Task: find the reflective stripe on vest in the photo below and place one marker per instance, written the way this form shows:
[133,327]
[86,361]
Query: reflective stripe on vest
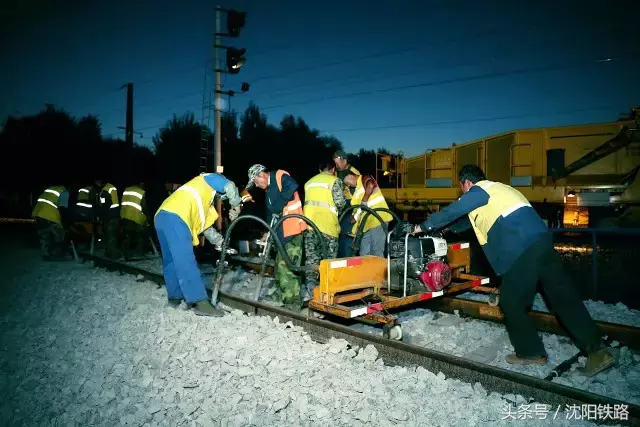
[503,201]
[319,205]
[113,192]
[131,206]
[192,202]
[293,226]
[47,205]
[84,198]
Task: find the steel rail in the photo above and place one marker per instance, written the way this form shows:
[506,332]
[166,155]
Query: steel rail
[626,335]
[546,322]
[397,353]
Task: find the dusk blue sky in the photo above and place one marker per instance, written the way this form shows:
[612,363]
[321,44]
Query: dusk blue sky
[461,69]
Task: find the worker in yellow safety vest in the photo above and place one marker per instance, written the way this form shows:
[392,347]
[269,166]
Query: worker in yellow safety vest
[324,200]
[368,193]
[50,214]
[109,215]
[133,219]
[519,247]
[182,217]
[85,203]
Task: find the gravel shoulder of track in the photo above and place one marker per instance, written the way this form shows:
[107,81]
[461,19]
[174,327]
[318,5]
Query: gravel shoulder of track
[83,346]
[484,341]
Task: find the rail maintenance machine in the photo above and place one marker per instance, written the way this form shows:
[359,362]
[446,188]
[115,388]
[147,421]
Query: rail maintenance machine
[416,269]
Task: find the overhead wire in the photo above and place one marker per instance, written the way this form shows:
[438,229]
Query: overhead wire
[468,120]
[432,83]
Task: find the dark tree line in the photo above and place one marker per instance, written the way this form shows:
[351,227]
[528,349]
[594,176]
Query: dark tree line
[52,148]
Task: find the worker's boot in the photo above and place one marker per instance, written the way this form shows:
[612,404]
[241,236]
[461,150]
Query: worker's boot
[514,359]
[598,361]
[174,302]
[205,308]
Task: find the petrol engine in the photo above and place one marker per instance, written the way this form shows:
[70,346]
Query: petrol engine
[426,265]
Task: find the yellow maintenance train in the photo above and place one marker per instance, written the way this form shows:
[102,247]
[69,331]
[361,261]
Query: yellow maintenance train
[588,173]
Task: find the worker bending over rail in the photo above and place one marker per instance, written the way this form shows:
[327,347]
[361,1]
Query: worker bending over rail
[182,217]
[324,201]
[367,193]
[283,199]
[519,247]
[133,218]
[50,213]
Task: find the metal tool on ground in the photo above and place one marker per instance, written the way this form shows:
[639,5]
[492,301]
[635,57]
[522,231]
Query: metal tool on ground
[73,250]
[266,250]
[153,246]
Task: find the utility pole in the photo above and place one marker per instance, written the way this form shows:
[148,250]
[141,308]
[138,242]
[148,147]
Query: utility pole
[217,116]
[234,61]
[129,116]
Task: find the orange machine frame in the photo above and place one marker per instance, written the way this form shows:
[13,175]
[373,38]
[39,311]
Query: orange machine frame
[347,280]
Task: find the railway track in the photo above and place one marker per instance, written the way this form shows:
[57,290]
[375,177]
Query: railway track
[402,354]
[628,336]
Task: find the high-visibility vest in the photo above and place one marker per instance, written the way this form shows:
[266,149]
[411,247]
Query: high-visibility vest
[84,204]
[192,202]
[293,226]
[376,200]
[319,206]
[504,201]
[131,206]
[47,204]
[113,192]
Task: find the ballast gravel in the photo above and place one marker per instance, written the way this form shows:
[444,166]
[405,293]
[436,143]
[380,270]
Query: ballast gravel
[483,341]
[84,346]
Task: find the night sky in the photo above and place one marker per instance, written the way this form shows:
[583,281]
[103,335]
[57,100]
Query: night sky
[406,75]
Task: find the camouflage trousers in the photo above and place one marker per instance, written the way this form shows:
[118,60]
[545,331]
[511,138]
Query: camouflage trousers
[52,239]
[133,240]
[287,281]
[313,254]
[111,238]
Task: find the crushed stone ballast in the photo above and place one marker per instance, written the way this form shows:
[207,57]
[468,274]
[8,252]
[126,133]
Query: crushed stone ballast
[397,353]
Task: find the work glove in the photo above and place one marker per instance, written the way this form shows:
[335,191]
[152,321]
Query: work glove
[404,228]
[213,237]
[234,212]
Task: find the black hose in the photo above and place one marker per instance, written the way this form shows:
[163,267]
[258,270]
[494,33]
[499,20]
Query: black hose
[279,247]
[317,232]
[368,211]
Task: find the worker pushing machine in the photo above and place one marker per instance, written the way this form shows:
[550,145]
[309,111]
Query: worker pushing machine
[133,218]
[324,201]
[182,217]
[109,215]
[519,247]
[283,199]
[367,193]
[50,214]
[343,168]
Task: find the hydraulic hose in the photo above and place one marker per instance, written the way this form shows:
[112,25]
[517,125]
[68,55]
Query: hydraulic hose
[317,232]
[279,247]
[368,211]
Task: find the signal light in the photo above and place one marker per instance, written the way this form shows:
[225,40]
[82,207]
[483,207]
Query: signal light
[244,87]
[235,22]
[235,60]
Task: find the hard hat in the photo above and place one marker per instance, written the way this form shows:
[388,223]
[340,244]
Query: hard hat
[254,171]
